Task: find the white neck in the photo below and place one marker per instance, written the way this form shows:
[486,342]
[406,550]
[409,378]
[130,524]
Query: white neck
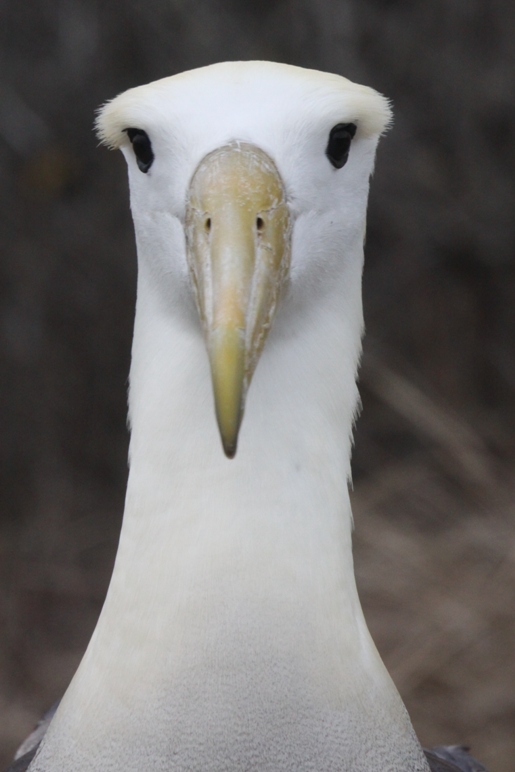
[232,636]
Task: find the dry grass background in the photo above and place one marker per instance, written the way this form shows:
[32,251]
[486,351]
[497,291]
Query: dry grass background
[435,451]
[435,562]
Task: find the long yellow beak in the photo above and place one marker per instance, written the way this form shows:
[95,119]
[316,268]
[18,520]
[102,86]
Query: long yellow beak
[238,235]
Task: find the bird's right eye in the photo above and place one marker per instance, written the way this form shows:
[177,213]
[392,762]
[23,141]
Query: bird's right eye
[142,148]
[339,142]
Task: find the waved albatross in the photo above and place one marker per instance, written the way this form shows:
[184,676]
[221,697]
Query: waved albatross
[232,637]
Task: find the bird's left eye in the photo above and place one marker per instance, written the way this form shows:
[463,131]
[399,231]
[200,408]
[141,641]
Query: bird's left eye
[338,146]
[142,148]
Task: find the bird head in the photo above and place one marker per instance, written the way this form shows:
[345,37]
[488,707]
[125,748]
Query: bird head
[249,182]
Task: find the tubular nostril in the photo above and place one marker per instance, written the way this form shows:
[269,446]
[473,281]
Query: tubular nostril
[260,224]
[207,224]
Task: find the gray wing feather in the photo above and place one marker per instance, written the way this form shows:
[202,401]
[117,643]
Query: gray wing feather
[452,758]
[28,748]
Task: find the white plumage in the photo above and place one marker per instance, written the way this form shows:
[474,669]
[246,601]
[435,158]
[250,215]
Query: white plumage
[232,636]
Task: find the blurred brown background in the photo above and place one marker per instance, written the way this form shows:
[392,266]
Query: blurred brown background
[435,449]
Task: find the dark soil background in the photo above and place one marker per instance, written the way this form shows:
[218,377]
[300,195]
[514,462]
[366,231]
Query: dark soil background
[435,447]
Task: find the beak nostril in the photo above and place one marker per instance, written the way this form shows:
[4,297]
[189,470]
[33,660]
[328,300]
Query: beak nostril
[207,224]
[260,224]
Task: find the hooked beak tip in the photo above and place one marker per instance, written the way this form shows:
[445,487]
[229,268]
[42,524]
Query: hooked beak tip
[230,448]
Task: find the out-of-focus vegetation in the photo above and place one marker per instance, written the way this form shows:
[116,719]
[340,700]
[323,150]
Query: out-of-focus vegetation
[435,451]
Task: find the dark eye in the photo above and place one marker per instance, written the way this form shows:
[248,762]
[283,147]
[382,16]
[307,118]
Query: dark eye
[338,146]
[142,148]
